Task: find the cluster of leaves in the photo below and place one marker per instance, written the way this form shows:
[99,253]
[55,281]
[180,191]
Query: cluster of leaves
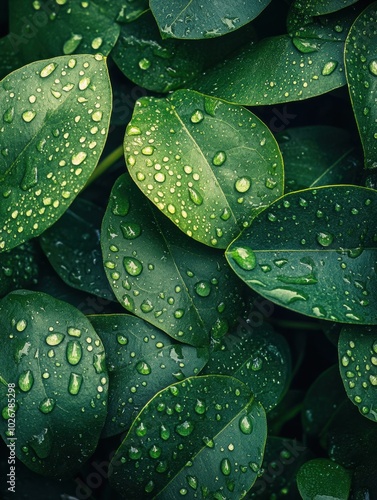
[198,321]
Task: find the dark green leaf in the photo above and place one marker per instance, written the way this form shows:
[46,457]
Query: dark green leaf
[322,478]
[357,350]
[163,276]
[205,164]
[319,8]
[361,70]
[257,356]
[10,58]
[321,401]
[205,434]
[204,19]
[73,248]
[317,156]
[42,29]
[55,116]
[132,11]
[55,363]
[314,251]
[18,268]
[141,361]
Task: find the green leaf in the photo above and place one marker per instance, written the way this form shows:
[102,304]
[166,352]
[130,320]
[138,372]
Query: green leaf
[321,401]
[205,434]
[319,8]
[209,167]
[55,116]
[205,19]
[73,248]
[10,58]
[257,356]
[322,478]
[357,349]
[43,29]
[141,361]
[18,268]
[163,276]
[317,156]
[167,64]
[361,72]
[53,365]
[314,252]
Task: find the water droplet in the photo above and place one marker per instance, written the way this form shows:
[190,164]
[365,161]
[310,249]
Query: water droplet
[146,306]
[244,258]
[143,368]
[159,177]
[97,42]
[246,424]
[200,407]
[99,362]
[373,379]
[179,313]
[74,384]
[219,328]
[148,150]
[373,67]
[128,303]
[306,46]
[71,44]
[225,467]
[78,158]
[47,70]
[155,451]
[133,130]
[28,116]
[84,83]
[195,196]
[226,214]
[203,288]
[54,339]
[144,63]
[121,206]
[130,230]
[97,116]
[270,183]
[21,325]
[141,429]
[133,266]
[329,68]
[324,238]
[192,481]
[219,158]
[9,115]
[243,184]
[134,453]
[74,352]
[164,432]
[121,339]
[74,332]
[197,116]
[185,428]
[26,381]
[47,405]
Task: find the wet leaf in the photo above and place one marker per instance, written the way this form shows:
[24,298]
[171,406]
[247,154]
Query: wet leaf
[257,356]
[18,268]
[323,478]
[361,71]
[210,165]
[10,58]
[131,11]
[141,360]
[55,119]
[357,349]
[73,248]
[319,8]
[42,29]
[314,252]
[205,434]
[163,276]
[206,19]
[317,156]
[55,362]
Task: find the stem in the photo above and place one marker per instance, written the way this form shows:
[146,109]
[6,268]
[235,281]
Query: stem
[105,164]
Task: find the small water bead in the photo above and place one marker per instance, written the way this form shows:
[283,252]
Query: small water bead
[373,67]
[97,116]
[28,116]
[195,196]
[74,332]
[144,63]
[246,424]
[329,68]
[148,150]
[243,184]
[225,466]
[133,266]
[203,288]
[219,158]
[74,352]
[26,381]
[200,407]
[164,433]
[47,405]
[74,384]
[270,183]
[134,453]
[155,451]
[159,177]
[178,314]
[244,257]
[324,238]
[185,428]
[143,368]
[78,158]
[9,115]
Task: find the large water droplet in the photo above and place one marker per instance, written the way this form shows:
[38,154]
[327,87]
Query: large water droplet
[246,424]
[9,115]
[143,368]
[130,230]
[133,266]
[243,184]
[47,70]
[219,158]
[47,405]
[200,407]
[155,451]
[195,196]
[244,258]
[306,46]
[74,352]
[96,43]
[21,325]
[54,339]
[373,67]
[324,238]
[71,44]
[164,432]
[146,306]
[26,381]
[192,482]
[134,453]
[225,466]
[28,116]
[219,328]
[78,158]
[185,428]
[74,384]
[197,116]
[144,63]
[203,288]
[329,68]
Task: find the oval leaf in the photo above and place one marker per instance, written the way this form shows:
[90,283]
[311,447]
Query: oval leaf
[211,440]
[55,363]
[55,119]
[163,276]
[205,19]
[73,248]
[314,251]
[141,361]
[205,164]
[357,350]
[361,71]
[257,356]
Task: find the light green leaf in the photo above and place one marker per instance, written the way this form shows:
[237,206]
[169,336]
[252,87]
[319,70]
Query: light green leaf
[361,71]
[314,251]
[43,29]
[205,19]
[141,360]
[317,156]
[18,268]
[357,349]
[54,363]
[205,434]
[73,248]
[55,116]
[323,478]
[257,356]
[163,276]
[206,165]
